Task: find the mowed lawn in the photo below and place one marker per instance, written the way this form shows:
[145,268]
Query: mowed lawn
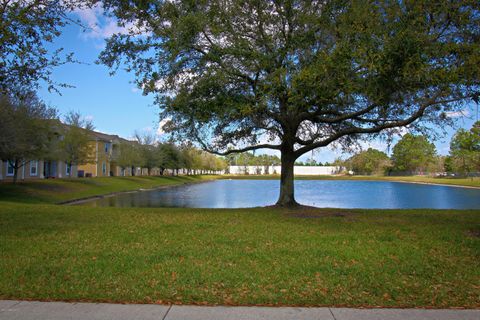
[401,258]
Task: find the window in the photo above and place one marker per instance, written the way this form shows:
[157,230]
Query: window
[68,168]
[33,168]
[10,169]
[104,168]
[107,147]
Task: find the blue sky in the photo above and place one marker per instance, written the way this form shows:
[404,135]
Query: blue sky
[113,103]
[116,106]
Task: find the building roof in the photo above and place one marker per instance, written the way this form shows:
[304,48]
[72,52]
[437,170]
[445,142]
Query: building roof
[107,137]
[95,135]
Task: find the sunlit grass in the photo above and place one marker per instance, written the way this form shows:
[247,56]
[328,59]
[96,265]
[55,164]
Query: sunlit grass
[406,258]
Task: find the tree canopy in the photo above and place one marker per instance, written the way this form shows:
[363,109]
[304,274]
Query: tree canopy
[128,155]
[27,29]
[465,150]
[370,161]
[29,129]
[76,136]
[294,76]
[249,159]
[413,154]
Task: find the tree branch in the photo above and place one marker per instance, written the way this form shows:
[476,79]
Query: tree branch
[341,116]
[356,130]
[258,146]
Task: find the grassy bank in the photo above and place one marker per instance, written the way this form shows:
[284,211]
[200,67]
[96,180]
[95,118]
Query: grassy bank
[469,182]
[59,190]
[241,257]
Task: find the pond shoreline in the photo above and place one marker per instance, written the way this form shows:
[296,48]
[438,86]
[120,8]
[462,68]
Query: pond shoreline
[428,183]
[113,194]
[344,178]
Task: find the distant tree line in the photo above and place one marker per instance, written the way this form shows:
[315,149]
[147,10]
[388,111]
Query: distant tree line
[147,152]
[415,154]
[250,159]
[313,163]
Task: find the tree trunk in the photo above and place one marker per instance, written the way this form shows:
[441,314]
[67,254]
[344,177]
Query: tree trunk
[287,194]
[15,171]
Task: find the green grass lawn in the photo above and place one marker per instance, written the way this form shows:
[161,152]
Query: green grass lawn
[59,190]
[469,182]
[402,258]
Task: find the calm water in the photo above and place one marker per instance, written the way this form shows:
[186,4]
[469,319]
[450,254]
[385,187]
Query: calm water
[319,193]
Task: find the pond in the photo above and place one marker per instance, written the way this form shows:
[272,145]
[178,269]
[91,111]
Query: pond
[318,193]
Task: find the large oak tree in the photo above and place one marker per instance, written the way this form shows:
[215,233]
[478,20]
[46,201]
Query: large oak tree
[239,75]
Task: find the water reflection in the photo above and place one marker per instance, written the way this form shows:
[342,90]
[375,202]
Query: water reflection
[319,193]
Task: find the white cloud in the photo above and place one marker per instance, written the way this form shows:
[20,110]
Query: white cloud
[89,117]
[162,122]
[403,131]
[90,19]
[457,114]
[398,132]
[374,144]
[148,129]
[135,90]
[100,26]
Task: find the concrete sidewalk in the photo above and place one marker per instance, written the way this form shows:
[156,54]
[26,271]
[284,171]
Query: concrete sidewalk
[26,310]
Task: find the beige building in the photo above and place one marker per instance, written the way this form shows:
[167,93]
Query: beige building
[38,169]
[104,148]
